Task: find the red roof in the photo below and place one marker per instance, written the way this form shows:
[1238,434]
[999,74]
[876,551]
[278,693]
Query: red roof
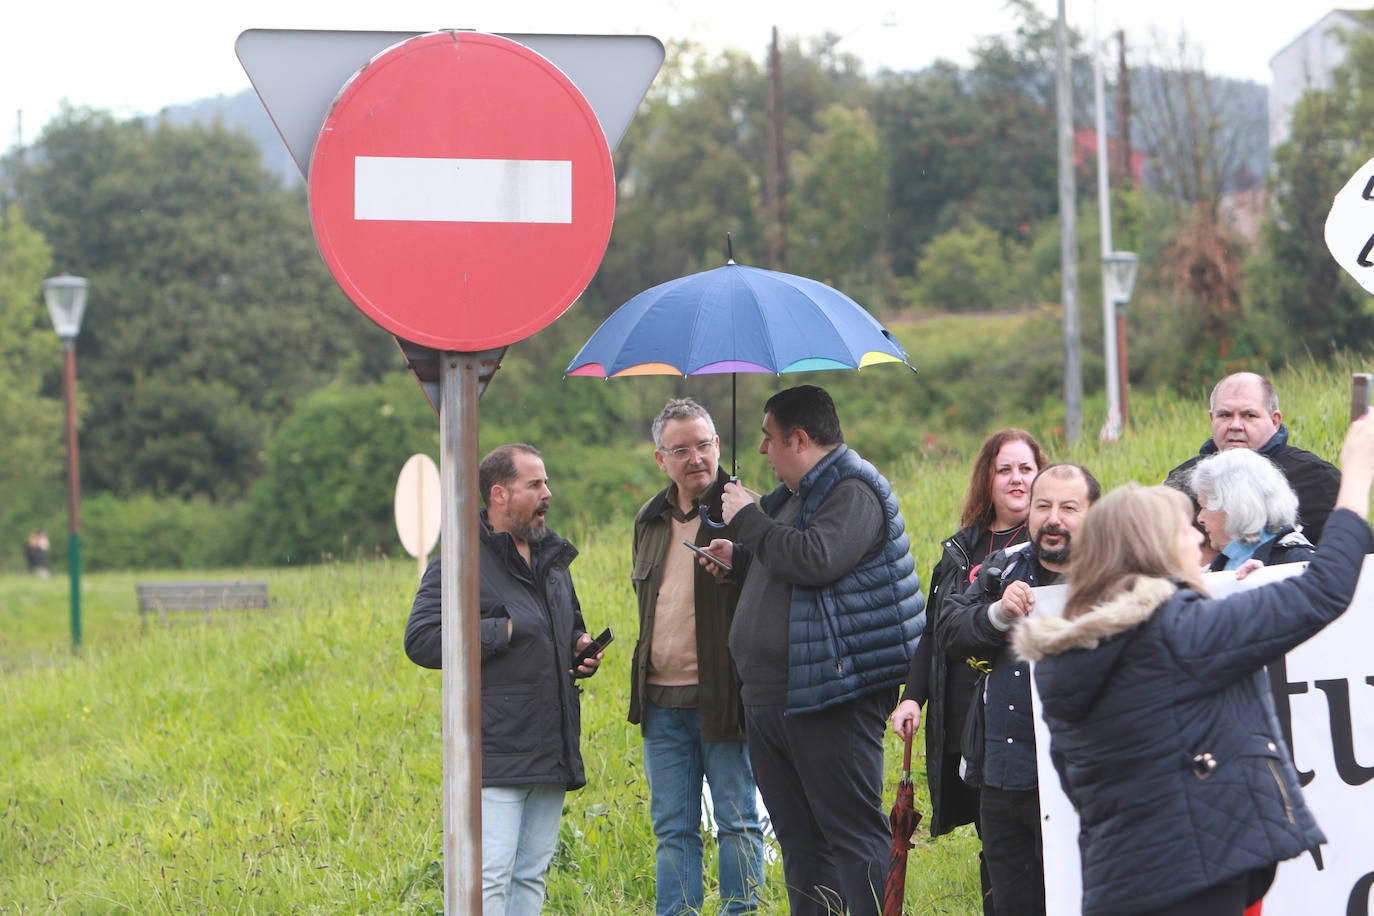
[1085,151]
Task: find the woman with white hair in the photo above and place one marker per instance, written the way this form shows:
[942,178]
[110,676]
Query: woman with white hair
[1249,511]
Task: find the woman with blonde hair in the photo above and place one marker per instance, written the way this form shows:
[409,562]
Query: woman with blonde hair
[1162,726]
[993,518]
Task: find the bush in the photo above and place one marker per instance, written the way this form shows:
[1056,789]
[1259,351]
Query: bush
[330,480]
[969,269]
[147,532]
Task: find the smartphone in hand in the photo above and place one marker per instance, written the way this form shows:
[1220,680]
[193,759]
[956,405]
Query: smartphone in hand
[1360,384]
[701,553]
[593,647]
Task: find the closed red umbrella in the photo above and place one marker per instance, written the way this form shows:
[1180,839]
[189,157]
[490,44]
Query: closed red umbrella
[903,820]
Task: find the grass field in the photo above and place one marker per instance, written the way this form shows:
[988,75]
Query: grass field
[288,761]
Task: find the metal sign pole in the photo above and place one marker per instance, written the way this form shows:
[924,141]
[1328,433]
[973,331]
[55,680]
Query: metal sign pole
[399,271]
[461,628]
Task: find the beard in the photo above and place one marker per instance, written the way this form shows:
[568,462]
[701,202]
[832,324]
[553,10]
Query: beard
[1058,555]
[531,530]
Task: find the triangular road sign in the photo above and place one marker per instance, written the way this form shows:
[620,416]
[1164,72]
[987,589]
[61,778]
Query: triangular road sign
[297,73]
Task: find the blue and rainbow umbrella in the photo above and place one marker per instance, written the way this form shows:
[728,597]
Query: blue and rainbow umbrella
[736,319]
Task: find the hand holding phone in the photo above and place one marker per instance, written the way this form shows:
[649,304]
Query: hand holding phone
[701,553]
[1360,384]
[590,650]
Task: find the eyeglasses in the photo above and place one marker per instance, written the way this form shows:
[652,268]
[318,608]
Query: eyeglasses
[686,452]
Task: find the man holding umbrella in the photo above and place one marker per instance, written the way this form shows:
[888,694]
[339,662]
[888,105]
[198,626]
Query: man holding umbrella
[829,614]
[684,692]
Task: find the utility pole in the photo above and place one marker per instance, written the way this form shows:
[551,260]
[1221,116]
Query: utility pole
[1111,429]
[1123,133]
[1068,254]
[777,161]
[1123,113]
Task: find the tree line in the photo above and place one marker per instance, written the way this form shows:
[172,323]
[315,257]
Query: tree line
[236,408]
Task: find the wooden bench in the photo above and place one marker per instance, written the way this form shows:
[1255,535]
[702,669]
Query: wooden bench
[163,598]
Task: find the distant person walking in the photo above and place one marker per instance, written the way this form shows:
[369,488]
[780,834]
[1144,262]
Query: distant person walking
[36,553]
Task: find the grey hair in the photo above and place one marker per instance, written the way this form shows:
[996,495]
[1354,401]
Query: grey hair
[1267,392]
[1250,489]
[679,409]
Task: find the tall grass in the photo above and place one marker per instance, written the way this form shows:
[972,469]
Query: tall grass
[288,761]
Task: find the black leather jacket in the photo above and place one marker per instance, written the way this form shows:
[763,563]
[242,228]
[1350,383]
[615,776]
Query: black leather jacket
[531,711]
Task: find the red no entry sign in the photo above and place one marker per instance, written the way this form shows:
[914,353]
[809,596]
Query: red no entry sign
[461,191]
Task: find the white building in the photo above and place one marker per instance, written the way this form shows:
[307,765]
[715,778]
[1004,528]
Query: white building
[1306,63]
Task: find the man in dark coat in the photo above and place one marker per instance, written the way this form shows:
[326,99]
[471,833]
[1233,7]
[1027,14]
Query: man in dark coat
[1244,409]
[684,691]
[979,622]
[830,612]
[532,630]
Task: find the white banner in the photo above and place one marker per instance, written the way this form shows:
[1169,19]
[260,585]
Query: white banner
[1331,710]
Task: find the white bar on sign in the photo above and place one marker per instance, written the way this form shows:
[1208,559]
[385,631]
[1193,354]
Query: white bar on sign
[462,190]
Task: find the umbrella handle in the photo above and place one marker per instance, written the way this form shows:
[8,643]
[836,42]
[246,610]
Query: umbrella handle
[706,516]
[906,757]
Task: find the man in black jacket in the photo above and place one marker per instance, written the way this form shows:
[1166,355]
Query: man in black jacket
[531,718]
[979,622]
[1244,409]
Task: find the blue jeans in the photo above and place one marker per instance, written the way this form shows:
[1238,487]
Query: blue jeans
[519,835]
[675,760]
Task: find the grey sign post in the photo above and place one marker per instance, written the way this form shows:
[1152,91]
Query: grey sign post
[298,74]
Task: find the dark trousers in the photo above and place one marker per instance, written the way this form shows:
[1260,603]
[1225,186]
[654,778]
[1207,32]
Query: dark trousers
[984,879]
[1013,850]
[961,801]
[1229,898]
[821,775]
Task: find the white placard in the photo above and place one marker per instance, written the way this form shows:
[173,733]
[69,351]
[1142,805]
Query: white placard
[1350,226]
[1331,701]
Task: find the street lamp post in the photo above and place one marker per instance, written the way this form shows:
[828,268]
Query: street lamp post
[1118,279]
[66,299]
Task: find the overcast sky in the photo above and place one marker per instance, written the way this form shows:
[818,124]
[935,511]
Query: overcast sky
[136,57]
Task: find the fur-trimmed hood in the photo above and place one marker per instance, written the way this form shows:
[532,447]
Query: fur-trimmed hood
[1037,637]
[1085,650]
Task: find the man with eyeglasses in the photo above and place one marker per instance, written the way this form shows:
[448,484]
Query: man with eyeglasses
[830,613]
[684,692]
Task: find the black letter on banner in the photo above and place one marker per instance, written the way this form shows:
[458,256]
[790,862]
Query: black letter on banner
[1358,903]
[1282,690]
[1362,258]
[1343,733]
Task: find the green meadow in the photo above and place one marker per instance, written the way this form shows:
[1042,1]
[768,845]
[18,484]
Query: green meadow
[288,760]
